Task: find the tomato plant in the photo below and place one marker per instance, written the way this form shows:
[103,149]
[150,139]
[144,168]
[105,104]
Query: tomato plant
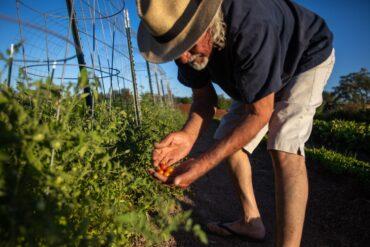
[81,180]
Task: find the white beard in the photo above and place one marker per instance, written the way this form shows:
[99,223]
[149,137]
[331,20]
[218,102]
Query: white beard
[198,66]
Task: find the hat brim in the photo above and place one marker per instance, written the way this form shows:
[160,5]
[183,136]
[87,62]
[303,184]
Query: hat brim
[156,52]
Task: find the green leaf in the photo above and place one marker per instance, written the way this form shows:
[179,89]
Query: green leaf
[200,234]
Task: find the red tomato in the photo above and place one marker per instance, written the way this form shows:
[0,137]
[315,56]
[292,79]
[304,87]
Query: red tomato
[163,167]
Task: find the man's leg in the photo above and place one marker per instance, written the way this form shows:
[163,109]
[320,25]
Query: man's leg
[241,172]
[289,128]
[291,192]
[251,223]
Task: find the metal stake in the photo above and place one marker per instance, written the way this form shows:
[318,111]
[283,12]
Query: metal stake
[10,63]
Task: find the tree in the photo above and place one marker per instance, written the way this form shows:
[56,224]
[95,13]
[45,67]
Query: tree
[329,102]
[126,95]
[354,89]
[183,100]
[223,103]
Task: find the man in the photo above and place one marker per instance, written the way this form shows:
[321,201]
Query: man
[273,58]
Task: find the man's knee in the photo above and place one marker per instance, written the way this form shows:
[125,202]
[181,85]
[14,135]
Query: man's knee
[283,161]
[236,157]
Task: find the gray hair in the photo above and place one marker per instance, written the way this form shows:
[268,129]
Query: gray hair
[218,30]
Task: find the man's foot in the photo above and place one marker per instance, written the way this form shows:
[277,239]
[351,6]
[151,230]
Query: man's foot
[253,230]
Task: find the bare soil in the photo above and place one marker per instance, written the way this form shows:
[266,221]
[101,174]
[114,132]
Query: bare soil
[338,210]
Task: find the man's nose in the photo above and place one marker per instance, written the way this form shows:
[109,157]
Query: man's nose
[184,58]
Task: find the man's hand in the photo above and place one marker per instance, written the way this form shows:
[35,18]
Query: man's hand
[182,176]
[172,148]
[178,144]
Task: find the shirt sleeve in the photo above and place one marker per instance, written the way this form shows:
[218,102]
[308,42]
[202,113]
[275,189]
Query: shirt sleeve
[192,78]
[256,66]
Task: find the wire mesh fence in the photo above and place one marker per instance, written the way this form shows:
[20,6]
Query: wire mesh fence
[57,40]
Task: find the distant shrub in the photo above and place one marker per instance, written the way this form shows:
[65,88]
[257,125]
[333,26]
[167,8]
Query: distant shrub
[344,136]
[358,115]
[341,164]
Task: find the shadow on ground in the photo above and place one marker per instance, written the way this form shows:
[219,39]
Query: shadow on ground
[338,211]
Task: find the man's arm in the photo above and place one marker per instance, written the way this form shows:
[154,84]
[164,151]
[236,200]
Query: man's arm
[201,112]
[260,114]
[178,144]
[245,131]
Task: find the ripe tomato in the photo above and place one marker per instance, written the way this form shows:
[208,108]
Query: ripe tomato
[163,167]
[169,169]
[165,170]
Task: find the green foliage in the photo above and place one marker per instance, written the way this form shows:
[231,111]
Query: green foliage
[68,179]
[340,164]
[184,100]
[7,59]
[355,115]
[328,105]
[354,88]
[344,136]
[223,103]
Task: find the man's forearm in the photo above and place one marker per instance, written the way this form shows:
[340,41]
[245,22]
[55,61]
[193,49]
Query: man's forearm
[201,112]
[244,132]
[200,116]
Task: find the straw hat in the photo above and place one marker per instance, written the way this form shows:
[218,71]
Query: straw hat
[168,28]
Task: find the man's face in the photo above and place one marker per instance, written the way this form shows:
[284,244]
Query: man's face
[198,56]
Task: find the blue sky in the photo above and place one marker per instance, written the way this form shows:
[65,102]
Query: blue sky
[349,21]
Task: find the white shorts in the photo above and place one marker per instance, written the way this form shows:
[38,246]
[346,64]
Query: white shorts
[295,106]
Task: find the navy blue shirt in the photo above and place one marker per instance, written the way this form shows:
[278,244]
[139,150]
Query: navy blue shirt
[267,43]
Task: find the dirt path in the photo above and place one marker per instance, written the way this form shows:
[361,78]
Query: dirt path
[338,212]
